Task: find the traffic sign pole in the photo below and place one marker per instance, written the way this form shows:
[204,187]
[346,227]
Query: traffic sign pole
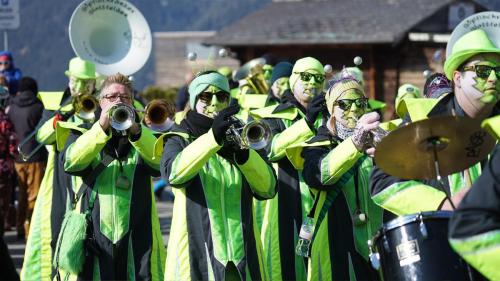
[9,18]
[5,40]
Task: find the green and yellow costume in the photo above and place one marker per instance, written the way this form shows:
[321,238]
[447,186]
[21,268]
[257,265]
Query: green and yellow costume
[214,234]
[345,216]
[124,218]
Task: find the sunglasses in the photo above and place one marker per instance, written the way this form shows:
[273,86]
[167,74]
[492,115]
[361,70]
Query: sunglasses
[346,103]
[483,71]
[306,76]
[206,97]
[4,62]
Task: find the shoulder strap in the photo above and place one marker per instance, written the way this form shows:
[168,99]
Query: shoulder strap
[90,178]
[333,192]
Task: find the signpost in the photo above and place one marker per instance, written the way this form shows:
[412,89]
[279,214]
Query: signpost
[9,18]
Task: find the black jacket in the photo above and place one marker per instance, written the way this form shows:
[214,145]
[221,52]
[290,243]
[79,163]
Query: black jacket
[25,112]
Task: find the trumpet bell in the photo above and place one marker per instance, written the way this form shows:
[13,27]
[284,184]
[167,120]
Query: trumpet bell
[115,36]
[157,115]
[157,111]
[85,107]
[122,117]
[256,135]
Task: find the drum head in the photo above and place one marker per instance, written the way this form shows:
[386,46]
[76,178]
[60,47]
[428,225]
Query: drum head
[414,218]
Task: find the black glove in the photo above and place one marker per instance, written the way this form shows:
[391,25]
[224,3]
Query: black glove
[222,122]
[315,107]
[241,155]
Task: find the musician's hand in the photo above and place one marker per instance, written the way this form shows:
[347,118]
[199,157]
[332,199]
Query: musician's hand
[104,118]
[370,152]
[362,133]
[134,129]
[58,117]
[222,122]
[314,108]
[456,199]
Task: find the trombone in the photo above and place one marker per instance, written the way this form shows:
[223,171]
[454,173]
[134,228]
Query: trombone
[84,106]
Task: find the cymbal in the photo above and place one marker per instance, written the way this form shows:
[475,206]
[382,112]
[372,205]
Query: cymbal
[410,152]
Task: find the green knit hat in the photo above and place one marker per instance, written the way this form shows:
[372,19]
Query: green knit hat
[303,65]
[467,46]
[203,81]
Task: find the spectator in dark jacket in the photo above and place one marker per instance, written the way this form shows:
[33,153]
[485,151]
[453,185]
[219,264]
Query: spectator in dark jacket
[25,112]
[7,156]
[10,72]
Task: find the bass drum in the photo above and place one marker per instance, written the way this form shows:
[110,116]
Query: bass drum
[415,247]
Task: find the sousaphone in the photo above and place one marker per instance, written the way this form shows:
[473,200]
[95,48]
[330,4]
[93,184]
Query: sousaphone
[113,34]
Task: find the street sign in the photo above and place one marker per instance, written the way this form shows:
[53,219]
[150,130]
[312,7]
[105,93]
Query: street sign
[9,14]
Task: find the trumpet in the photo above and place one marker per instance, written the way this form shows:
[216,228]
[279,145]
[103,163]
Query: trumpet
[85,106]
[157,114]
[122,117]
[254,134]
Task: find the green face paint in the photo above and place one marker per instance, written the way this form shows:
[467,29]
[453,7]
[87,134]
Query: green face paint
[212,101]
[308,86]
[79,86]
[489,86]
[350,116]
[484,88]
[280,86]
[268,72]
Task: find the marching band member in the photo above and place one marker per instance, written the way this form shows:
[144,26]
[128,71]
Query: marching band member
[213,234]
[279,82]
[405,92]
[355,71]
[290,124]
[475,225]
[472,66]
[125,240]
[253,86]
[52,199]
[337,171]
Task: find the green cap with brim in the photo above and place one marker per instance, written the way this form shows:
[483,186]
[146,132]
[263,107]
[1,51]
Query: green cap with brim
[467,46]
[303,65]
[82,69]
[403,92]
[202,82]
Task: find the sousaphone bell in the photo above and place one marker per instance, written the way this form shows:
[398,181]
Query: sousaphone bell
[113,35]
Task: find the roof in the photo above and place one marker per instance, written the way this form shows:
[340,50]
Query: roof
[328,22]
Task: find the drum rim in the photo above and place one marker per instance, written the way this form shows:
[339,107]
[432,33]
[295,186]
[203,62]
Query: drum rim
[400,221]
